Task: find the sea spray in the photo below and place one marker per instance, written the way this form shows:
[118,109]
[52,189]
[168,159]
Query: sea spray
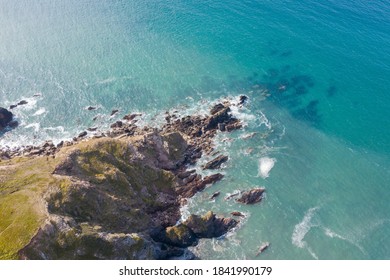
[265,166]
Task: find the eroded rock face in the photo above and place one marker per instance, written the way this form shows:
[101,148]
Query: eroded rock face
[5,118]
[195,227]
[209,225]
[107,197]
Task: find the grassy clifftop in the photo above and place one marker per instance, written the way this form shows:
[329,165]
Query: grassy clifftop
[111,186]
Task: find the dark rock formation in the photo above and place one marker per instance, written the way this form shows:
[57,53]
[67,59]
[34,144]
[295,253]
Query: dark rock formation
[196,184]
[131,117]
[252,196]
[209,225]
[22,102]
[5,118]
[113,112]
[180,236]
[82,134]
[242,99]
[215,195]
[216,163]
[237,214]
[195,227]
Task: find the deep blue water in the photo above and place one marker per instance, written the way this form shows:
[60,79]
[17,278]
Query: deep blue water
[317,74]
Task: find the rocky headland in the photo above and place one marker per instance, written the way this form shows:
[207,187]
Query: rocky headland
[114,195]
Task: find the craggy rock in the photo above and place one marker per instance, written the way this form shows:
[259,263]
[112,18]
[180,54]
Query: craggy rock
[221,116]
[180,236]
[216,163]
[209,225]
[195,227]
[5,118]
[251,197]
[117,195]
[197,184]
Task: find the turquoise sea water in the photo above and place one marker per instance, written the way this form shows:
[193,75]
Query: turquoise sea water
[317,74]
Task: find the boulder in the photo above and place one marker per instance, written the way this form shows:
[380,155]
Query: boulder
[251,197]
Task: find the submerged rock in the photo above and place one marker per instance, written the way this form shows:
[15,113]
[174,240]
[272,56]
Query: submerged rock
[262,248]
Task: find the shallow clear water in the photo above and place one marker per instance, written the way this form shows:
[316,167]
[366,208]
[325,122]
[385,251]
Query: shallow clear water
[316,73]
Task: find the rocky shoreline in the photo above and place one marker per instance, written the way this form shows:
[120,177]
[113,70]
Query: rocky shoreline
[117,195]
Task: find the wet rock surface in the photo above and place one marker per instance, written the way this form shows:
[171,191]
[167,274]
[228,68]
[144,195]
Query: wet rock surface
[216,163]
[252,196]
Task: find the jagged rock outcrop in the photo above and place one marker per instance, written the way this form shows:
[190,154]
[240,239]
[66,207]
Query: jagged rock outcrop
[195,227]
[107,196]
[252,196]
[216,163]
[209,225]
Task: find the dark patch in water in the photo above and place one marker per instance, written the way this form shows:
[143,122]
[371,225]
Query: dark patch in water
[331,91]
[286,54]
[310,113]
[300,90]
[302,79]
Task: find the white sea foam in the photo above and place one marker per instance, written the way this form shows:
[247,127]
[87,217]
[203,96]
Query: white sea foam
[59,128]
[39,112]
[301,229]
[36,126]
[265,166]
